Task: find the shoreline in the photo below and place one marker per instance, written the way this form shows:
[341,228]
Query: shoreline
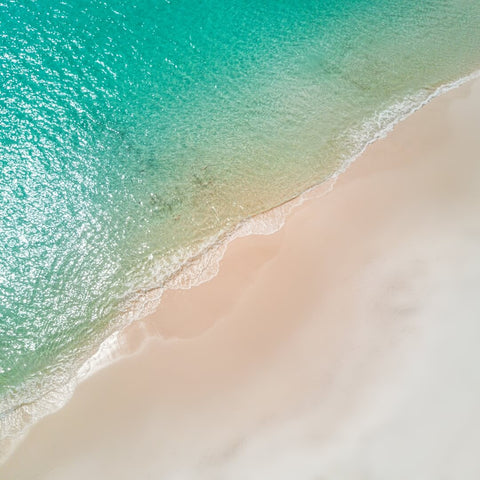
[132,340]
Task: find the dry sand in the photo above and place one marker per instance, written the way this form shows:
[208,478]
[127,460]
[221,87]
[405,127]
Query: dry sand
[345,346]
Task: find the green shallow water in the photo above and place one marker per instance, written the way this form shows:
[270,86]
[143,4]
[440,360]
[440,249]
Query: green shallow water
[133,133]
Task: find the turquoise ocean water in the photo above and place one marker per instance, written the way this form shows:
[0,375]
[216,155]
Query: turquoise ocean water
[133,134]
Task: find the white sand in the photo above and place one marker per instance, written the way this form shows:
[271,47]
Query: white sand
[346,346]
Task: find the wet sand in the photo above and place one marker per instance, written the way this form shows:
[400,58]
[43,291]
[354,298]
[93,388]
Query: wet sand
[344,346]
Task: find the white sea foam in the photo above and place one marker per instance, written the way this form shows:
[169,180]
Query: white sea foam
[190,268]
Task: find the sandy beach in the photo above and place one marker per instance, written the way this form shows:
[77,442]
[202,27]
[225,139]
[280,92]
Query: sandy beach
[344,346]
